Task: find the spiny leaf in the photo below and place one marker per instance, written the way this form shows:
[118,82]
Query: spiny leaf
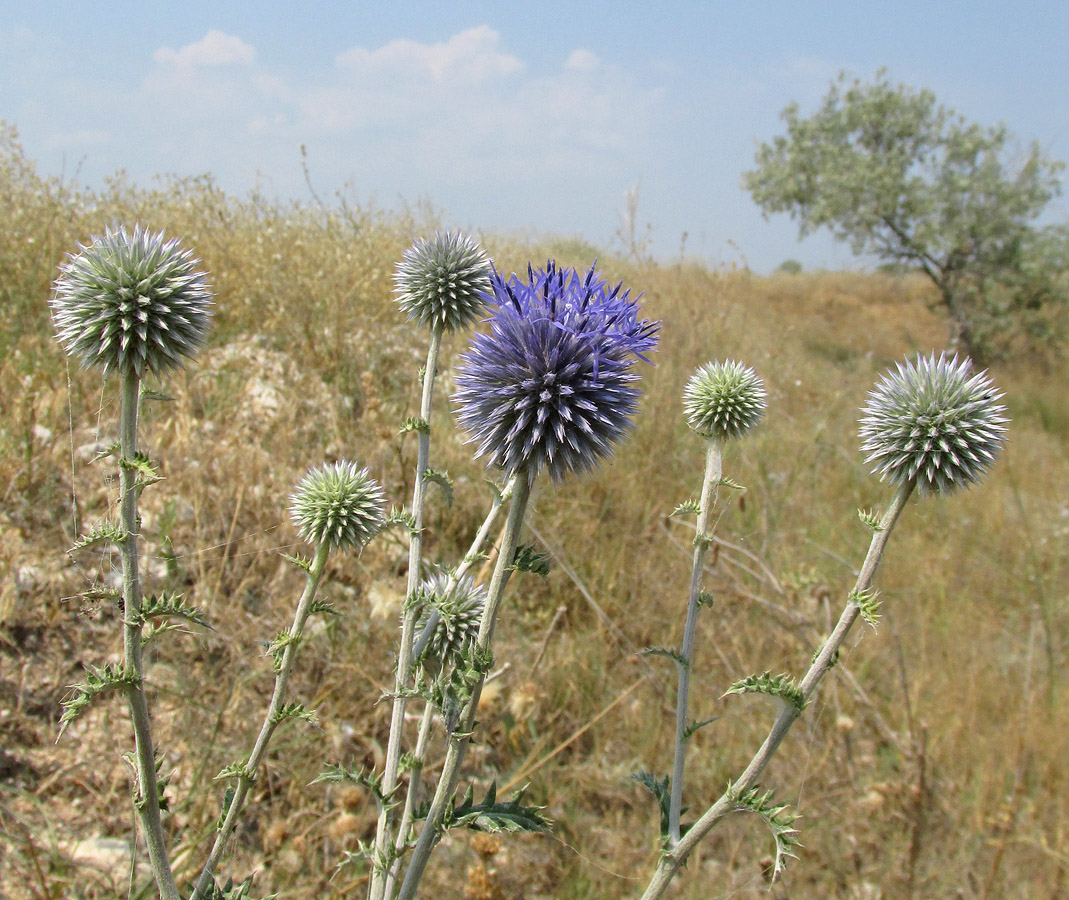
[528,559]
[102,532]
[171,606]
[696,725]
[296,711]
[340,774]
[231,891]
[661,793]
[323,606]
[401,517]
[301,562]
[97,681]
[734,485]
[228,798]
[781,686]
[687,507]
[142,465]
[490,815]
[235,770]
[442,479]
[277,648]
[705,599]
[109,450]
[779,822]
[147,394]
[871,518]
[414,423]
[668,653]
[868,602]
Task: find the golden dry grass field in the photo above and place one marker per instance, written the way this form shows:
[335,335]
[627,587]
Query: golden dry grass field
[933,764]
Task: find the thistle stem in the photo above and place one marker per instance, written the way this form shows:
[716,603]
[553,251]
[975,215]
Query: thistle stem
[148,798]
[380,864]
[458,740]
[672,860]
[428,713]
[713,472]
[271,720]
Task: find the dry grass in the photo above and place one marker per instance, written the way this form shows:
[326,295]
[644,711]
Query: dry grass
[932,765]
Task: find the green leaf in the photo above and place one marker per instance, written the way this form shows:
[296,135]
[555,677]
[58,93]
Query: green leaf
[277,648]
[301,562]
[401,517]
[171,606]
[662,793]
[667,653]
[705,599]
[492,816]
[415,424]
[868,604]
[111,677]
[871,518]
[782,686]
[323,606]
[528,559]
[235,770]
[101,533]
[688,507]
[734,485]
[147,394]
[140,463]
[333,774]
[697,725]
[779,821]
[442,479]
[296,711]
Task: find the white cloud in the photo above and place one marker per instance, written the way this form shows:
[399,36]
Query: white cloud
[216,48]
[473,55]
[582,61]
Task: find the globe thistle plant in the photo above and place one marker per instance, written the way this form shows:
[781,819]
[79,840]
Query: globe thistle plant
[724,400]
[441,282]
[338,504]
[551,385]
[131,302]
[934,421]
[459,604]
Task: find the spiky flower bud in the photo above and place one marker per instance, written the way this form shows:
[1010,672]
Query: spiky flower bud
[441,282]
[131,302]
[933,421]
[340,504]
[460,610]
[550,384]
[724,400]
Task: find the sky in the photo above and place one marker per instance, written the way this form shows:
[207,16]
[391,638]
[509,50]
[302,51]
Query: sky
[531,118]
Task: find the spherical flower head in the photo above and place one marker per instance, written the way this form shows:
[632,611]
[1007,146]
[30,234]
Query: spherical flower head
[339,504]
[934,421]
[441,282]
[460,611]
[131,302]
[724,400]
[551,384]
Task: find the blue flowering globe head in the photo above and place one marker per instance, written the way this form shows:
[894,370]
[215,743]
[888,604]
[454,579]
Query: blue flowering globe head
[551,384]
[135,303]
[933,421]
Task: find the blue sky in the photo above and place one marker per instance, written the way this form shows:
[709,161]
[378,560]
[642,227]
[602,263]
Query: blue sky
[534,117]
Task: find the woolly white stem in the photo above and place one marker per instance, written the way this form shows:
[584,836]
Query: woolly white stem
[713,473]
[248,775]
[673,859]
[380,863]
[458,740]
[148,799]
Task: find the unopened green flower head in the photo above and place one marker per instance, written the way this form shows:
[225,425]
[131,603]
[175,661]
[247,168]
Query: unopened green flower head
[724,400]
[935,421]
[339,504]
[460,611]
[441,281]
[131,302]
